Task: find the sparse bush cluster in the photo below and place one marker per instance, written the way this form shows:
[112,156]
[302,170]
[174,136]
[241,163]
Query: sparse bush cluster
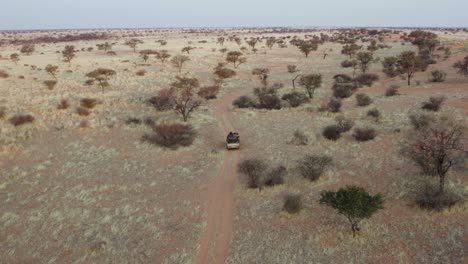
[171,135]
[208,92]
[19,120]
[259,174]
[364,133]
[433,104]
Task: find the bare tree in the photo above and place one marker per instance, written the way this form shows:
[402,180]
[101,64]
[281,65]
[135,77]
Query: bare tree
[293,69]
[178,61]
[184,99]
[187,49]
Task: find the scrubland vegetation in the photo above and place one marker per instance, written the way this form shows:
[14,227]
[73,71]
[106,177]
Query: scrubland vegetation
[354,146]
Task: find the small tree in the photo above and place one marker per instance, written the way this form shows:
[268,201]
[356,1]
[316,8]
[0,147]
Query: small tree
[390,66]
[262,74]
[307,46]
[236,58]
[184,99]
[162,56]
[270,42]
[27,49]
[354,202]
[102,76]
[293,69]
[187,49]
[52,70]
[364,59]
[350,49]
[178,61]
[69,53]
[133,43]
[15,58]
[311,82]
[252,43]
[221,40]
[462,66]
[144,56]
[409,63]
[436,149]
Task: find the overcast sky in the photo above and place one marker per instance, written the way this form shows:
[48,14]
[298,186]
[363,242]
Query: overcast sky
[53,14]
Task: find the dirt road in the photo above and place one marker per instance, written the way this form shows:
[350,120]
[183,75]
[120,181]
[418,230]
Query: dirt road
[214,245]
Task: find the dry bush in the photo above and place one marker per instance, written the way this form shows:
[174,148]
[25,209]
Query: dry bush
[292,203]
[312,166]
[50,84]
[343,90]
[433,104]
[82,111]
[224,73]
[437,76]
[253,169]
[332,132]
[348,63]
[295,99]
[171,135]
[133,121]
[2,112]
[164,100]
[374,113]
[299,138]
[84,124]
[275,176]
[366,79]
[421,120]
[342,78]
[209,92]
[364,133]
[63,104]
[4,74]
[363,99]
[244,102]
[269,101]
[141,72]
[334,105]
[429,197]
[392,90]
[343,123]
[19,120]
[89,103]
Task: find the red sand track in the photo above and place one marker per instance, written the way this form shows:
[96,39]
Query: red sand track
[214,244]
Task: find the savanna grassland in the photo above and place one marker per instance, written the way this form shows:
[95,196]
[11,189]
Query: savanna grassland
[90,173]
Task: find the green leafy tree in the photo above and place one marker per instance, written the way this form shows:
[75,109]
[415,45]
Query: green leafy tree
[410,63]
[364,59]
[354,202]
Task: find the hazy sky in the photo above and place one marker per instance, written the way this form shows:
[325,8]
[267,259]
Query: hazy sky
[48,14]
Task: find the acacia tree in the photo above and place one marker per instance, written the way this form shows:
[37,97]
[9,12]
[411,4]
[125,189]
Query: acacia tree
[236,58]
[409,63]
[133,43]
[270,42]
[15,58]
[354,202]
[307,46]
[69,53]
[106,46]
[364,59]
[462,66]
[102,76]
[436,149]
[310,82]
[178,61]
[221,40]
[350,49]
[262,74]
[252,43]
[183,97]
[52,70]
[162,56]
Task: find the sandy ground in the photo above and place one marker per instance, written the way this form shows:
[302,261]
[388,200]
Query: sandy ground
[99,195]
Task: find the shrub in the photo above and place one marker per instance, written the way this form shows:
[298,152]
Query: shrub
[363,99]
[63,104]
[19,120]
[171,135]
[421,120]
[343,123]
[275,176]
[342,78]
[164,100]
[347,63]
[84,123]
[295,99]
[332,132]
[312,166]
[2,112]
[433,104]
[299,138]
[141,72]
[4,74]
[269,101]
[429,197]
[82,111]
[364,134]
[89,103]
[334,105]
[50,84]
[209,92]
[342,90]
[437,76]
[366,79]
[292,203]
[374,113]
[89,82]
[224,73]
[244,102]
[133,121]
[392,90]
[253,169]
